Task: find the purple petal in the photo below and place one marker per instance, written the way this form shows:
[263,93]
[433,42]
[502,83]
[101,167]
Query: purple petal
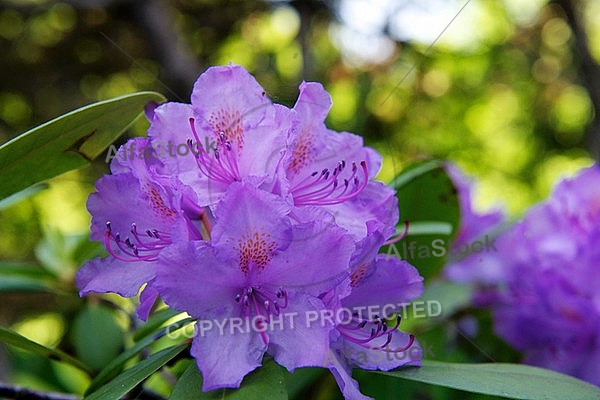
[377,203]
[299,340]
[190,278]
[373,356]
[328,264]
[123,200]
[108,275]
[224,359]
[149,110]
[313,102]
[148,298]
[389,282]
[247,211]
[170,131]
[342,373]
[228,98]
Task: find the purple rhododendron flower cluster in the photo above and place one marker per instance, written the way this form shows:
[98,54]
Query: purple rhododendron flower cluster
[542,284]
[269,236]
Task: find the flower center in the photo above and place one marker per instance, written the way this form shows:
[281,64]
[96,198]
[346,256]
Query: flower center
[301,155]
[256,251]
[228,124]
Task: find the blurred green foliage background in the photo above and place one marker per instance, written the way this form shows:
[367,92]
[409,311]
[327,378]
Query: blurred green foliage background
[510,92]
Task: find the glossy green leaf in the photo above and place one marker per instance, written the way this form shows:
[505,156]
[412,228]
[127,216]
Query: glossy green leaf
[12,338]
[117,364]
[513,381]
[67,142]
[267,382]
[96,336]
[428,200]
[135,375]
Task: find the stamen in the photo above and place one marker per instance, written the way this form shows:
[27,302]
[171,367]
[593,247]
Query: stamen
[264,301]
[399,237]
[261,302]
[222,165]
[135,247]
[324,189]
[357,331]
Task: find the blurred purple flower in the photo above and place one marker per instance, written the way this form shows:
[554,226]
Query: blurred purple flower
[473,226]
[546,301]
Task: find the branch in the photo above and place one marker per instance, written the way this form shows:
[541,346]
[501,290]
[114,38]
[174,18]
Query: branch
[590,70]
[16,392]
[170,50]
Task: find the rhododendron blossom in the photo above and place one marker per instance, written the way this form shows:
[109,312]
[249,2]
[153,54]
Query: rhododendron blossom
[275,223]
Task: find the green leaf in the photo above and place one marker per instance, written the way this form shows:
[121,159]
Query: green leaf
[439,301]
[14,339]
[133,376]
[302,379]
[96,336]
[22,195]
[13,284]
[67,142]
[428,200]
[116,365]
[498,379]
[267,382]
[18,268]
[62,254]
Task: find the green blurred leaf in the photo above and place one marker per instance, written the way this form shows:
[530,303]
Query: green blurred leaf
[23,277]
[506,380]
[117,364]
[453,296]
[428,200]
[97,337]
[63,254]
[12,284]
[439,301]
[17,268]
[14,339]
[67,142]
[22,195]
[267,382]
[133,376]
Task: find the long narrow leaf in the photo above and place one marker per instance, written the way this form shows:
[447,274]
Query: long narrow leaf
[67,142]
[133,376]
[513,381]
[14,339]
[116,365]
[267,382]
